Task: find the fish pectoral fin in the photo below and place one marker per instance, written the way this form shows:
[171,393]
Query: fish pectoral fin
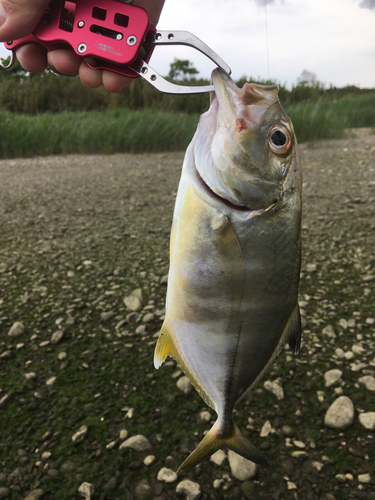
[164,347]
[293,330]
[213,441]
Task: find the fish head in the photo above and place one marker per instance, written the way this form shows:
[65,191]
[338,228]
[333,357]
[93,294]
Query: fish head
[245,147]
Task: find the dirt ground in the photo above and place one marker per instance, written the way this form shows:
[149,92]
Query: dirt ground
[78,234]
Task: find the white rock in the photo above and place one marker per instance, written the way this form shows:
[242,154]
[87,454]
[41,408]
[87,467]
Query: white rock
[218,457]
[57,336]
[217,483]
[80,434]
[349,355]
[167,475]
[358,349]
[205,416]
[184,384]
[343,323]
[368,420]
[51,381]
[340,415]
[266,429]
[329,331]
[123,434]
[368,381]
[16,329]
[150,459]
[241,468]
[274,388]
[332,376]
[61,356]
[46,455]
[133,303]
[291,485]
[86,490]
[364,478]
[139,443]
[141,330]
[148,317]
[29,376]
[190,489]
[339,353]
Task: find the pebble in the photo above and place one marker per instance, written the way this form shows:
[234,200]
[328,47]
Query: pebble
[46,455]
[51,381]
[143,489]
[205,416]
[266,429]
[167,475]
[241,468]
[150,459]
[16,329]
[340,353]
[147,318]
[80,435]
[184,384]
[364,478]
[329,331]
[141,330]
[218,457]
[106,315]
[29,376]
[274,388]
[190,489]
[291,485]
[132,317]
[368,381]
[287,430]
[340,415]
[332,376]
[4,492]
[123,434]
[57,336]
[138,443]
[349,355]
[133,303]
[357,349]
[368,420]
[61,356]
[86,490]
[34,495]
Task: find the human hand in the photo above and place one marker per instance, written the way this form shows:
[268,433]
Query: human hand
[19,18]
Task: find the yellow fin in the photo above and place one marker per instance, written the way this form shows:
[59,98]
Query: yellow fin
[164,347]
[212,441]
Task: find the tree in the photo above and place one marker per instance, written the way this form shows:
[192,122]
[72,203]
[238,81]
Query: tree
[182,70]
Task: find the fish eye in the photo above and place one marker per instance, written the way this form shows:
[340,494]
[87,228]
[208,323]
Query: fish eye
[279,139]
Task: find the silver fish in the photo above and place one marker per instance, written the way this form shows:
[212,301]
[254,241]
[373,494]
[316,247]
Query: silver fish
[234,255]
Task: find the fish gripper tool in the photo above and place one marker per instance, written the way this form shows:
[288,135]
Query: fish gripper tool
[114,35]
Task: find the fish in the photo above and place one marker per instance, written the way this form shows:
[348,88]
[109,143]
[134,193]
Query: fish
[235,255]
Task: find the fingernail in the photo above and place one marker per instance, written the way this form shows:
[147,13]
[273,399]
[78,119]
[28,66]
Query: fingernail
[54,70]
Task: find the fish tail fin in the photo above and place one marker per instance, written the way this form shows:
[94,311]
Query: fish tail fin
[214,440]
[164,347]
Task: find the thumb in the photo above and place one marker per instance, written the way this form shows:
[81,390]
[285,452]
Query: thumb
[18,18]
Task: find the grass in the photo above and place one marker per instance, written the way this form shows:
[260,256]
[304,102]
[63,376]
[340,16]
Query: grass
[111,131]
[129,131]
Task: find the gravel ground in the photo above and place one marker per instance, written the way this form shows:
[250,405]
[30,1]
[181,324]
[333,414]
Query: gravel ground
[78,235]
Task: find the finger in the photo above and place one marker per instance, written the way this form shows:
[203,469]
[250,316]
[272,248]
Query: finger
[90,77]
[64,62]
[19,18]
[114,82]
[32,57]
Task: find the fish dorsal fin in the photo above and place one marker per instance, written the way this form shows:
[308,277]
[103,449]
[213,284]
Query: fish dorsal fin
[293,330]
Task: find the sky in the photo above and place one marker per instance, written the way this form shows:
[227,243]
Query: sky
[335,39]
[276,39]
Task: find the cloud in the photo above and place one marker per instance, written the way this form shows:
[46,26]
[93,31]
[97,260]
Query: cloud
[365,4]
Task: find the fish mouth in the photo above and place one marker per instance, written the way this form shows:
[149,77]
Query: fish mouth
[245,105]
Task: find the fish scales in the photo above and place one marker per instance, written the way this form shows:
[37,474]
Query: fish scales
[235,255]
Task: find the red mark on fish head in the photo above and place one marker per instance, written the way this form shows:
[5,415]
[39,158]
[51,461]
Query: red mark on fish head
[240,125]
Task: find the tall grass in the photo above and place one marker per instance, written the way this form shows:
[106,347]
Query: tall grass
[111,131]
[326,119]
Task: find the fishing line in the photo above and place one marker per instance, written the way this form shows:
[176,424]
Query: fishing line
[268,57]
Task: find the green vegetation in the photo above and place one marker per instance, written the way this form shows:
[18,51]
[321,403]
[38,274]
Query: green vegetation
[47,114]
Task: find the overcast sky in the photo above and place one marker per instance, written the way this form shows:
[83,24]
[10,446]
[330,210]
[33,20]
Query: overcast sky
[335,39]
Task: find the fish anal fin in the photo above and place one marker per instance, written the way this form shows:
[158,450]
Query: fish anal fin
[214,440]
[293,330]
[164,347]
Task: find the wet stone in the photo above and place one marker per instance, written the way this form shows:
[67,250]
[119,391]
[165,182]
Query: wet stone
[138,443]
